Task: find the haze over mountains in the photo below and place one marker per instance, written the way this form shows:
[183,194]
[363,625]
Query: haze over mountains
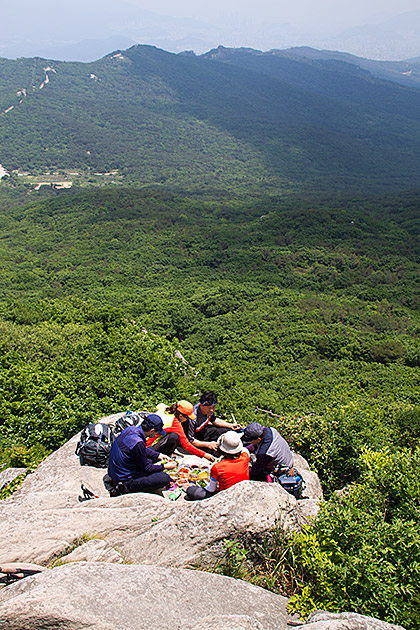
[85,31]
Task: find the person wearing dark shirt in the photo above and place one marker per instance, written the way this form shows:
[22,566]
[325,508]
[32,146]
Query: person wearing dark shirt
[132,466]
[205,430]
[271,451]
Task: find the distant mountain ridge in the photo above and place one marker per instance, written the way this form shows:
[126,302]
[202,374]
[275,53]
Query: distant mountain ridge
[230,119]
[28,29]
[406,72]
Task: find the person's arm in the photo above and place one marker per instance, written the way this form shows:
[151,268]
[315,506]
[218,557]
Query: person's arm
[212,485]
[184,441]
[226,425]
[199,444]
[151,453]
[143,464]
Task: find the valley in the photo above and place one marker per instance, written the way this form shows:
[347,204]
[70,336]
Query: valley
[259,215]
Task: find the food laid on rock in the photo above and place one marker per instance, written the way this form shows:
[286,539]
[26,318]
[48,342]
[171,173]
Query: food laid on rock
[190,470]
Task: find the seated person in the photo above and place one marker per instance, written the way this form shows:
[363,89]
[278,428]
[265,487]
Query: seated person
[271,450]
[131,465]
[207,428]
[232,468]
[176,421]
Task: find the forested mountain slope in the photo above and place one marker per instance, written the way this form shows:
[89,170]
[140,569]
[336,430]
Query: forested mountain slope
[159,118]
[290,63]
[267,257]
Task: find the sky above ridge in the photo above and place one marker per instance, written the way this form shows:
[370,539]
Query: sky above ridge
[64,29]
[310,14]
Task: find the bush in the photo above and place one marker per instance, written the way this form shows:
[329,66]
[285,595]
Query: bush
[363,552]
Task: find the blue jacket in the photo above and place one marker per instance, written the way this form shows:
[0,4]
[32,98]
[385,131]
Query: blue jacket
[130,458]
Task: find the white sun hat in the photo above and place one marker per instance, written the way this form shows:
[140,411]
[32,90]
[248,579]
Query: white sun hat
[230,442]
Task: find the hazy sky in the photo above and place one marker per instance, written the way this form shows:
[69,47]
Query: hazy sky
[300,13]
[29,28]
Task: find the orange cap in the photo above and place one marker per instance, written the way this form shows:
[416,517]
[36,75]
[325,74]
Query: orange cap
[186,408]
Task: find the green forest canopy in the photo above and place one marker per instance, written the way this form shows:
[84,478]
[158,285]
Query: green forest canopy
[307,308]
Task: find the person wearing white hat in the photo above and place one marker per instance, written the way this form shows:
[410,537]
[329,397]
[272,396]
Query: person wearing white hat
[232,468]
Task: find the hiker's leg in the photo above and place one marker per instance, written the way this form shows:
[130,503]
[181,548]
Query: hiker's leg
[167,444]
[197,493]
[210,433]
[115,488]
[149,483]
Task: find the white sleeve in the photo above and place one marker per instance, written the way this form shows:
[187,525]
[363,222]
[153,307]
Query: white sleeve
[212,485]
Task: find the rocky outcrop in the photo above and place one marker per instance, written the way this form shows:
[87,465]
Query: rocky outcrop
[97,589]
[99,596]
[102,596]
[345,621]
[44,520]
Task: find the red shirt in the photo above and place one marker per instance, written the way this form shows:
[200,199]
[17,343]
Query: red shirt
[176,427]
[230,471]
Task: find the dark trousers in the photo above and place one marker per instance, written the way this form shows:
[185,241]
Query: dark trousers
[209,433]
[197,493]
[167,444]
[155,481]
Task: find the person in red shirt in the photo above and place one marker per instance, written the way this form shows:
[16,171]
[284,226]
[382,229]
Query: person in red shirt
[231,469]
[176,420]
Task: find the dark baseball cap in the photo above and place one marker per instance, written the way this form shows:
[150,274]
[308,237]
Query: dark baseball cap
[252,432]
[155,422]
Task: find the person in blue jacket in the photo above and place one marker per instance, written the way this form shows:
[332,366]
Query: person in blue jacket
[132,466]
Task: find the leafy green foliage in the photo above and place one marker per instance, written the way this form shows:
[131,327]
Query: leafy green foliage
[301,313]
[362,553]
[63,365]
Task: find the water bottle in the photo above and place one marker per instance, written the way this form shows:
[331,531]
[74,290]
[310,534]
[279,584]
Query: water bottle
[175,494]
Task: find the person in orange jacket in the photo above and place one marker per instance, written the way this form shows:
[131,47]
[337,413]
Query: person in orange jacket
[176,420]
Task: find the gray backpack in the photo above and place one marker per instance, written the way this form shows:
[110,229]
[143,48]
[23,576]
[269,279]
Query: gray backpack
[129,419]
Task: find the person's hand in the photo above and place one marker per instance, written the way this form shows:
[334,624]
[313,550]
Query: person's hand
[213,446]
[169,465]
[236,427]
[210,458]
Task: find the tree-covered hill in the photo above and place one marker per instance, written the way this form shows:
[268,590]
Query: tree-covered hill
[196,123]
[301,312]
[270,298]
[300,308]
[287,63]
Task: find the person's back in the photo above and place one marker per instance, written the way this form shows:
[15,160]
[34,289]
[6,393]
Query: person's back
[122,463]
[230,470]
[270,448]
[132,466]
[275,446]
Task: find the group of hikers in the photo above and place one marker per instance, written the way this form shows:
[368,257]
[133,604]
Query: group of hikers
[141,455]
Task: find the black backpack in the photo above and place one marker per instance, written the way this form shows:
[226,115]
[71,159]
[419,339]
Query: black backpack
[94,445]
[129,419]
